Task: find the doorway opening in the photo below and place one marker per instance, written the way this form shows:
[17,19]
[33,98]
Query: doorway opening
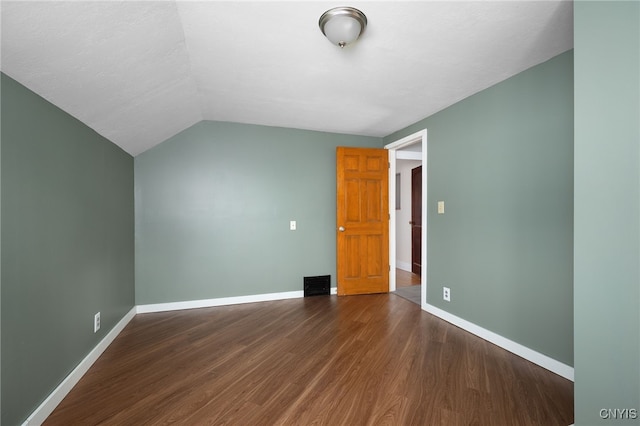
[412,147]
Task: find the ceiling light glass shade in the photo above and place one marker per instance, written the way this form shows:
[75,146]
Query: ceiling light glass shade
[342,25]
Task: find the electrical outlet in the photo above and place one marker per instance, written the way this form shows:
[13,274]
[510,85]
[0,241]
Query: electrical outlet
[96,322]
[446,294]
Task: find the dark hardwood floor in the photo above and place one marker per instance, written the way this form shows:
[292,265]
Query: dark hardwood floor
[324,360]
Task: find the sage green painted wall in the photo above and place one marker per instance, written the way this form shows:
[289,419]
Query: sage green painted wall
[502,161]
[67,245]
[607,211]
[213,206]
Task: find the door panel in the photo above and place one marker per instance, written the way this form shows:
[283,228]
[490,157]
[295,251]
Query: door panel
[373,195]
[375,248]
[352,256]
[416,220]
[352,200]
[362,220]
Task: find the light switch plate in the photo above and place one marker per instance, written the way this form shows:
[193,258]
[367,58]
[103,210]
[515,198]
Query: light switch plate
[292,225]
[440,207]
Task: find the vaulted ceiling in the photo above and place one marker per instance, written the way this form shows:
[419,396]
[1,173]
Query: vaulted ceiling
[140,72]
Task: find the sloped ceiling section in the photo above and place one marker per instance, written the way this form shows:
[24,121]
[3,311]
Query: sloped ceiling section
[140,72]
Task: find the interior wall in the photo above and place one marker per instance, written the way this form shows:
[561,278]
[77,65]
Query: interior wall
[67,245]
[213,206]
[403,216]
[502,161]
[607,212]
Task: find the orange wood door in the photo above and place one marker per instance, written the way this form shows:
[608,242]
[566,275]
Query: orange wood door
[362,220]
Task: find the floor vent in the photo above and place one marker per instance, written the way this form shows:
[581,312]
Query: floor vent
[317,286]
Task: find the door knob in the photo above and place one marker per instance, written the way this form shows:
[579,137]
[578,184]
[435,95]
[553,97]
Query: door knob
[341,229]
[411,222]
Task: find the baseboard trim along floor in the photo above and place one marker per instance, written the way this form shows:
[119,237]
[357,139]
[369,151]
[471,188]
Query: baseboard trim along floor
[52,401]
[542,360]
[225,301]
[48,405]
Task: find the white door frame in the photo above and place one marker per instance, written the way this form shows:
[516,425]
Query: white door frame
[418,137]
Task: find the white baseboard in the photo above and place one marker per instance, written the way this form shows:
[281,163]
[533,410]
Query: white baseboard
[405,266]
[48,405]
[41,413]
[223,301]
[542,360]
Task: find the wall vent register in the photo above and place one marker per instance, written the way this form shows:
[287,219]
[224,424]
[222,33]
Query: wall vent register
[317,286]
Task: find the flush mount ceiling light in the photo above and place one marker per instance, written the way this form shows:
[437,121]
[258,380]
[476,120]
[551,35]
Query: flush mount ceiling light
[342,25]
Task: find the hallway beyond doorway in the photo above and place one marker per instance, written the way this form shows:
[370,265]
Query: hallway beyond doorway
[408,286]
[406,279]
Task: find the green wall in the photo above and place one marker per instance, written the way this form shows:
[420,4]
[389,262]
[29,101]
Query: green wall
[607,211]
[67,245]
[502,161]
[213,206]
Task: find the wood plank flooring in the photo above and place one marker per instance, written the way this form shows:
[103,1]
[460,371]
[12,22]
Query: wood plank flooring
[406,279]
[324,360]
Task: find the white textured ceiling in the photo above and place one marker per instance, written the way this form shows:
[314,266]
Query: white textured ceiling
[140,72]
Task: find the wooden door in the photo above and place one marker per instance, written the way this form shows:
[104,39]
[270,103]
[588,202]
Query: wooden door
[362,220]
[416,220]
